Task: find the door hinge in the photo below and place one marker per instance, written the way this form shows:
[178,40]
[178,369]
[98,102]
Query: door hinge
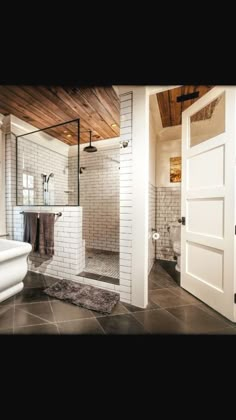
[235,298]
[182,220]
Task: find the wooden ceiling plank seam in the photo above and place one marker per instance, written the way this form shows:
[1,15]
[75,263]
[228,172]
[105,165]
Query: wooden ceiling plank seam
[89,96]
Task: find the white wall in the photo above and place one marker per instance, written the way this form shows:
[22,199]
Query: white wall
[2,180]
[166,149]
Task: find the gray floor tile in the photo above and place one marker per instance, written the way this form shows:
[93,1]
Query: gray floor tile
[8,302]
[34,280]
[121,324]
[119,308]
[215,314]
[30,295]
[49,281]
[33,313]
[166,298]
[8,331]
[46,329]
[159,321]
[66,311]
[187,296]
[6,317]
[197,319]
[82,326]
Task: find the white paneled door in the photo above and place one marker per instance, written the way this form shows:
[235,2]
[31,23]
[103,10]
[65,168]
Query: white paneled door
[208,199]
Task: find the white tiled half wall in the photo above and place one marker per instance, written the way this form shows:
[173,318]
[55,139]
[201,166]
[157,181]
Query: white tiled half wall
[100,197]
[69,256]
[168,210]
[151,225]
[34,159]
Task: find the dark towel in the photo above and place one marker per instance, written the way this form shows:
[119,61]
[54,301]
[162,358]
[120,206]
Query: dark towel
[30,229]
[46,234]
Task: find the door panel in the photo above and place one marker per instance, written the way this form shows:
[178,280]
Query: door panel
[208,199]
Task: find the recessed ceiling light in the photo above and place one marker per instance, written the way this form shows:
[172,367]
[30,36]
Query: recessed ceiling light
[65,131]
[68,135]
[114,125]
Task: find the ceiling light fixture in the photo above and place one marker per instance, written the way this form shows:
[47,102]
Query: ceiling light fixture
[113,125]
[68,135]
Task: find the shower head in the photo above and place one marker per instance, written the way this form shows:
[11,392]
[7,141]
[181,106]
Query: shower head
[51,175]
[90,148]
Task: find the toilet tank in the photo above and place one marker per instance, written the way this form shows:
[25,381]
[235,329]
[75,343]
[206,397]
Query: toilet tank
[175,232]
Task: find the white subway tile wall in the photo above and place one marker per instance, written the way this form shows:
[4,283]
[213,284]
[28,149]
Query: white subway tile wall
[126,202]
[10,187]
[34,160]
[69,257]
[73,180]
[152,225]
[168,210]
[100,198]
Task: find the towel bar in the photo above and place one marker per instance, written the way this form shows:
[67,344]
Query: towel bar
[56,214]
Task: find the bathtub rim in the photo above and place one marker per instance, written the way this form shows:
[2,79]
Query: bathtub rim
[16,249]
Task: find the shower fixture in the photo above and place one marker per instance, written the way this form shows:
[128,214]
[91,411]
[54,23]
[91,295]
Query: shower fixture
[124,144]
[49,176]
[90,148]
[46,178]
[82,169]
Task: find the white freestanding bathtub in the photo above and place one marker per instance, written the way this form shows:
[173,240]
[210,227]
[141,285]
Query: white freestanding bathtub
[13,266]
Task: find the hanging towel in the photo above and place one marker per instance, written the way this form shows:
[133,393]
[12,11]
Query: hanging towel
[46,234]
[30,229]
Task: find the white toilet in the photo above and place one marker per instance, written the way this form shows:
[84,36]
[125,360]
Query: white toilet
[175,237]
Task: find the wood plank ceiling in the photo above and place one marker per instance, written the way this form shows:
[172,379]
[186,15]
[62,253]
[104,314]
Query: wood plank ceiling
[171,110]
[97,107]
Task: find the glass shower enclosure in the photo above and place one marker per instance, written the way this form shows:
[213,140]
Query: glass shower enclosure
[47,166]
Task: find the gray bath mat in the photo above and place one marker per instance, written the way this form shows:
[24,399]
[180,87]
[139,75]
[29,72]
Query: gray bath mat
[83,295]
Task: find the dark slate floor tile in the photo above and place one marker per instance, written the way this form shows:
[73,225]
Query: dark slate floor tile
[8,331]
[224,331]
[23,318]
[8,302]
[121,324]
[187,296]
[67,311]
[49,281]
[33,313]
[82,326]
[197,319]
[215,314]
[34,280]
[166,298]
[119,308]
[161,322]
[31,295]
[132,308]
[6,317]
[46,329]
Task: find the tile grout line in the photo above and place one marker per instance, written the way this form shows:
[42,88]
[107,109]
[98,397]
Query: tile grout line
[13,323]
[53,315]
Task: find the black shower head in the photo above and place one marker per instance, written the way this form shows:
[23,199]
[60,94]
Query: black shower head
[90,148]
[51,175]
